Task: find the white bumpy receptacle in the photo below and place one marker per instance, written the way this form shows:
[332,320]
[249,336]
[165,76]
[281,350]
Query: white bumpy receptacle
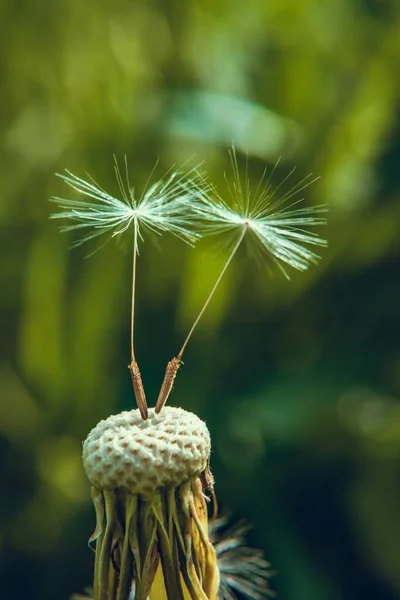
[126,452]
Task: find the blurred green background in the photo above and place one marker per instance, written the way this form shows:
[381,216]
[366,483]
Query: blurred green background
[298,381]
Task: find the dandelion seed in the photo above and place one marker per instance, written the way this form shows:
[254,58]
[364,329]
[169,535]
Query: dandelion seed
[279,229]
[160,209]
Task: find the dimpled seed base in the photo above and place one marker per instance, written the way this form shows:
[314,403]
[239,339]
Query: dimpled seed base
[126,452]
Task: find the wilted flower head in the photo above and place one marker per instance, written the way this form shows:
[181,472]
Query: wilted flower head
[148,479]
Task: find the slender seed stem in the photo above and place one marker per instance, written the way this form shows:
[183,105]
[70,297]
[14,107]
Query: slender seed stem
[133,294]
[137,383]
[216,284]
[175,363]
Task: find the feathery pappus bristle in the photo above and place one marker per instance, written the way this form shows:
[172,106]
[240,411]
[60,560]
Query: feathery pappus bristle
[160,209]
[244,572]
[277,226]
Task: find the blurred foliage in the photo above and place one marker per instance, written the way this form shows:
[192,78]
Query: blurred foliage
[299,382]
